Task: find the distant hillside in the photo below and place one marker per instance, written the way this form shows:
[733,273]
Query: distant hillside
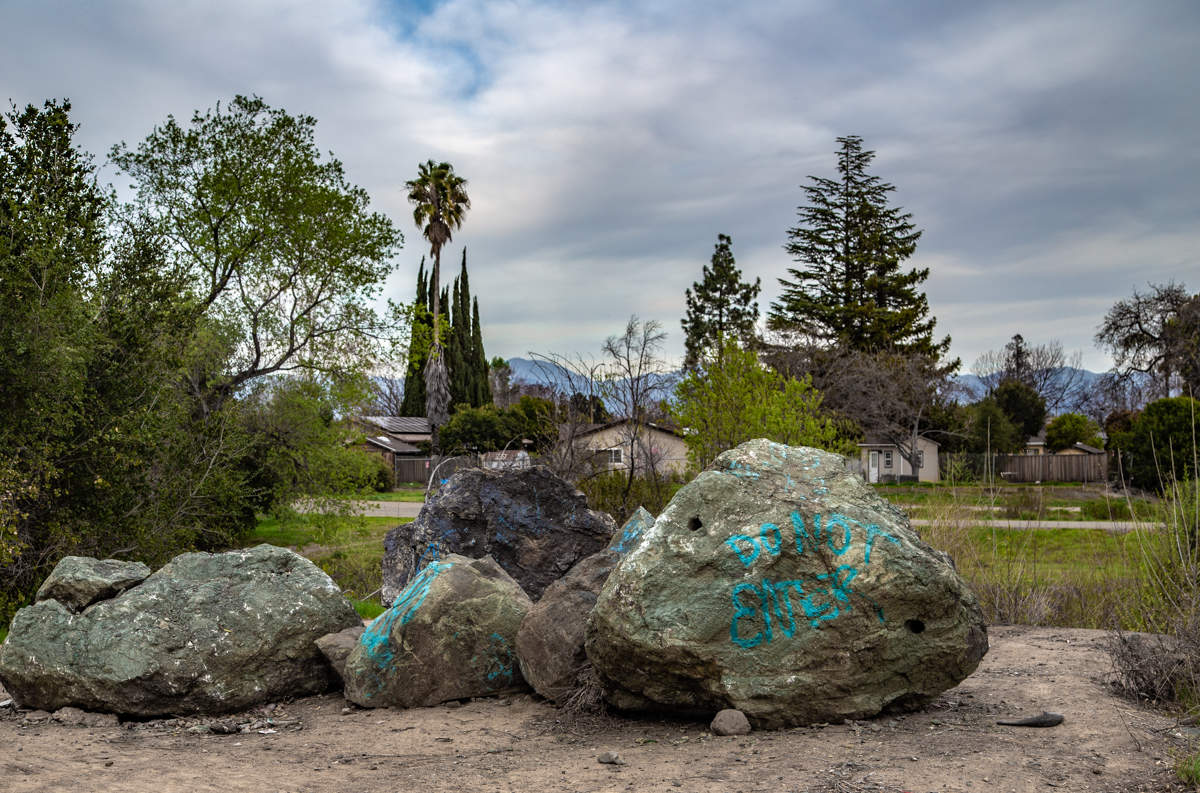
[554,376]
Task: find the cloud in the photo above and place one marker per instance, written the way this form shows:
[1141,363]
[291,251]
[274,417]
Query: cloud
[1045,148]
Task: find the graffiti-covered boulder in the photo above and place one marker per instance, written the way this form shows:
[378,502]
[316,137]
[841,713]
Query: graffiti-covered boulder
[206,633]
[448,635]
[550,642]
[535,524]
[780,584]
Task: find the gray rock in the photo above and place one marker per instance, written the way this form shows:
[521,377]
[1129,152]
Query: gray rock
[534,524]
[205,633]
[336,647]
[780,584]
[448,636]
[730,722]
[79,581]
[550,642]
[83,718]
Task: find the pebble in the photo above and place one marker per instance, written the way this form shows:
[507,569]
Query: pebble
[610,758]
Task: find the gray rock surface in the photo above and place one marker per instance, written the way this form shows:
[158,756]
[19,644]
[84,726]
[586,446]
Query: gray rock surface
[780,584]
[550,642]
[205,633]
[449,635]
[730,722]
[533,523]
[336,648]
[79,581]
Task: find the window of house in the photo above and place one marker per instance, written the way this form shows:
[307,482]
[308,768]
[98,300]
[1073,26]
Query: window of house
[887,459]
[610,456]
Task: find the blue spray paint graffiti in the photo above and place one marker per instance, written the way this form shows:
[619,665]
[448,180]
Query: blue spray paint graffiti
[376,639]
[631,532]
[823,598]
[498,662]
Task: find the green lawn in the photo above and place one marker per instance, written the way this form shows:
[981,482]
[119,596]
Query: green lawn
[349,549]
[1017,501]
[407,494]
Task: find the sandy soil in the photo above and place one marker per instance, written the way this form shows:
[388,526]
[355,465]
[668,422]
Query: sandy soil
[523,744]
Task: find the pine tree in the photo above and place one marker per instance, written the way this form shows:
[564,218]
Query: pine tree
[850,289]
[721,305]
[422,334]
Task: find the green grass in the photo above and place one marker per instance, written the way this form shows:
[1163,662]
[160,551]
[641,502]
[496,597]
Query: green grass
[1187,768]
[349,549]
[417,495]
[1018,501]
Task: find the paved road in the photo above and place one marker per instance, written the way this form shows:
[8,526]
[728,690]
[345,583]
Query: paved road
[389,509]
[1115,526]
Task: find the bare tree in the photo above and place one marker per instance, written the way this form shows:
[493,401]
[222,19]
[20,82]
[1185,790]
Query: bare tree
[1046,368]
[564,376]
[637,380]
[387,395]
[1139,333]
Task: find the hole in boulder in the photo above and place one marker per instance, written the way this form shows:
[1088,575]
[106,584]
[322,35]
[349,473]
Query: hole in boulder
[694,524]
[916,626]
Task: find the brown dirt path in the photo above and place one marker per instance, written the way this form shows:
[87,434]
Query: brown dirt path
[520,744]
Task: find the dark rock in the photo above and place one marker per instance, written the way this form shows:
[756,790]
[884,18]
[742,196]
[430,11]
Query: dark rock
[730,722]
[780,584]
[550,642]
[79,581]
[206,633]
[336,647]
[534,524]
[447,636]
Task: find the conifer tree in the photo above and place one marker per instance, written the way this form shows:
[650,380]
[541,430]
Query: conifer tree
[418,352]
[850,289]
[722,305]
[482,394]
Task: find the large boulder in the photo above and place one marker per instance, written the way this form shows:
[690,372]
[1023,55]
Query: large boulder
[448,635]
[206,633]
[533,523]
[79,581]
[779,584]
[550,642]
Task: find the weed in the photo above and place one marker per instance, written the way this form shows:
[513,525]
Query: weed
[1187,767]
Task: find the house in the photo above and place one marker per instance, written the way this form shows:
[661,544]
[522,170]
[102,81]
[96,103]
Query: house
[883,462]
[1037,445]
[396,439]
[656,446]
[414,430]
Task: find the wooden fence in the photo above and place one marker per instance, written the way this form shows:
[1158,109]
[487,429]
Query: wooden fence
[1032,467]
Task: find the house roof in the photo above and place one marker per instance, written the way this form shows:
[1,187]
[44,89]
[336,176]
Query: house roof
[393,445]
[405,425]
[601,427]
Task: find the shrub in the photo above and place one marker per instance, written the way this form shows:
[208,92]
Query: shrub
[1106,509]
[606,492]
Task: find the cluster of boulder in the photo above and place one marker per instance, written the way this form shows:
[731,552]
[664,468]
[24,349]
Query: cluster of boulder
[776,583]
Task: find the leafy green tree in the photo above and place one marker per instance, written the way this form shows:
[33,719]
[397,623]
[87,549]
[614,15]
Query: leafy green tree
[1160,448]
[850,288]
[721,305]
[440,204]
[741,399]
[1023,405]
[990,430]
[270,244]
[1064,431]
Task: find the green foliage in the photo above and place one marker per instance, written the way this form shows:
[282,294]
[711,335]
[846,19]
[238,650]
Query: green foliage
[489,428]
[851,289]
[722,305]
[1160,447]
[464,351]
[613,493]
[741,399]
[991,431]
[1023,405]
[146,412]
[1064,431]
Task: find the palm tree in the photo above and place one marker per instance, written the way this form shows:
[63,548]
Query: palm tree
[440,203]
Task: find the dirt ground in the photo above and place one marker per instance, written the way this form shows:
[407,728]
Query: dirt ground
[523,744]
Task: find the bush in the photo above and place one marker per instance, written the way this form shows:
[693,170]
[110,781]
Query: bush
[606,492]
[1106,509]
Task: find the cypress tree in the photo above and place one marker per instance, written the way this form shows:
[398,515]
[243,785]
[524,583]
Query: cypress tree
[422,329]
[483,389]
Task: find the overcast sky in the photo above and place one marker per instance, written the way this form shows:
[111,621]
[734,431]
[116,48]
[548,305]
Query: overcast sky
[1049,150]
